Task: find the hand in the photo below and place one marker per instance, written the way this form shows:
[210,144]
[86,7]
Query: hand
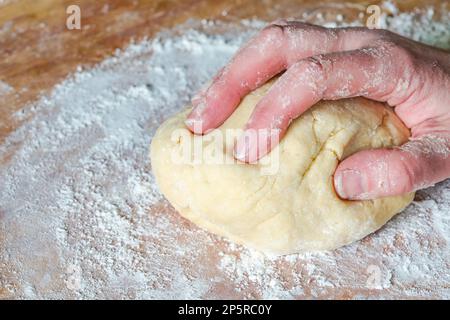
[330,64]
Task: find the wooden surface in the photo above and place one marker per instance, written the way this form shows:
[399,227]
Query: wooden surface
[37,50]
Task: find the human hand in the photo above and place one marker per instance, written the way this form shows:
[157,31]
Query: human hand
[331,64]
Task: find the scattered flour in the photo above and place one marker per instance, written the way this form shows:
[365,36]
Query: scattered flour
[420,26]
[5,88]
[81,216]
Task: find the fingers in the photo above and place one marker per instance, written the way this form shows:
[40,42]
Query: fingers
[273,50]
[372,174]
[294,92]
[368,72]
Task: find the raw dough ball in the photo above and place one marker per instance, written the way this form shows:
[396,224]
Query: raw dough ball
[296,209]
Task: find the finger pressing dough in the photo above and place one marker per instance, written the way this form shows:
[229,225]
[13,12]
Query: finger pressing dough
[294,208]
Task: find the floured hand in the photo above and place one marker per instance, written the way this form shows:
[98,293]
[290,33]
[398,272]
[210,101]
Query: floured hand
[331,64]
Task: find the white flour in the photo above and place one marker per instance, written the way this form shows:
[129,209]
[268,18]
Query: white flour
[81,217]
[5,88]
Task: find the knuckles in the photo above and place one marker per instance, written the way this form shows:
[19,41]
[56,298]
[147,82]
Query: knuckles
[281,27]
[272,31]
[398,52]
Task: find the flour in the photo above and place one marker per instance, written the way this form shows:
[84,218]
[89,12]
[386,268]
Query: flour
[5,88]
[81,216]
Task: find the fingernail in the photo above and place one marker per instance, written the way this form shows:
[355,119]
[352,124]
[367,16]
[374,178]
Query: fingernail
[195,125]
[197,111]
[241,149]
[194,118]
[200,95]
[351,184]
[196,99]
[189,122]
[246,147]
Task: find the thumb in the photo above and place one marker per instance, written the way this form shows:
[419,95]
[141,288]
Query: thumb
[372,174]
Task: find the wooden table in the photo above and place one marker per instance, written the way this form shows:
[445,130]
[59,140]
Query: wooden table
[37,50]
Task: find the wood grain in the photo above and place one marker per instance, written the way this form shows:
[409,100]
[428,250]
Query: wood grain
[37,50]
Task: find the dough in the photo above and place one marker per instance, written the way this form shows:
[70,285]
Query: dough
[296,208]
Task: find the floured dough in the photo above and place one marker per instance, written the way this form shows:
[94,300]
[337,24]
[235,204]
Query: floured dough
[296,208]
